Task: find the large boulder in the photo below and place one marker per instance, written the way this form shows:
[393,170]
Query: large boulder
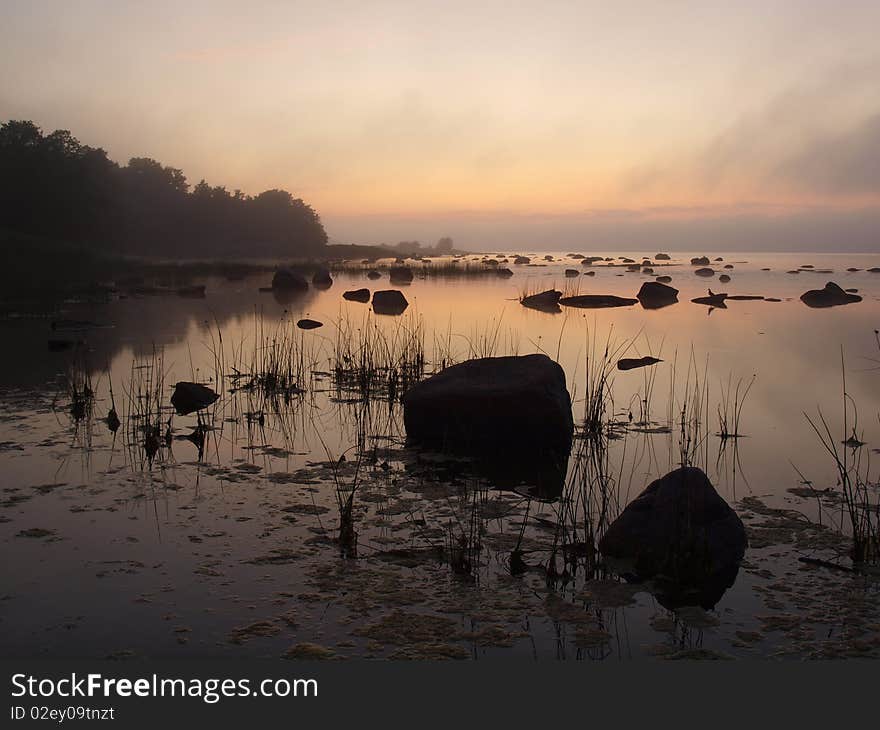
[680,527]
[700,261]
[499,405]
[389,301]
[831,296]
[654,295]
[191,397]
[288,280]
[545,301]
[662,257]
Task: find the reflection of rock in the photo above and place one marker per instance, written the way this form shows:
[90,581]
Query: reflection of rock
[654,295]
[288,280]
[680,528]
[389,301]
[357,295]
[494,406]
[309,324]
[597,301]
[545,301]
[831,296]
[373,274]
[322,279]
[504,272]
[571,273]
[191,397]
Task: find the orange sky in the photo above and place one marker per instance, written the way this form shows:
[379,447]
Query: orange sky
[440,112]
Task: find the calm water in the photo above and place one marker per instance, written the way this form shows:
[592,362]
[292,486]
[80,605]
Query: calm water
[233,551]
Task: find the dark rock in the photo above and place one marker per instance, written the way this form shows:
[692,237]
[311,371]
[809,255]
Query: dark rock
[664,279]
[357,295]
[679,526]
[831,296]
[500,404]
[401,274]
[705,272]
[589,273]
[504,272]
[191,397]
[713,300]
[631,363]
[724,278]
[571,273]
[597,301]
[700,261]
[545,301]
[309,324]
[373,274]
[522,260]
[389,301]
[647,270]
[728,266]
[662,257]
[291,280]
[874,270]
[655,295]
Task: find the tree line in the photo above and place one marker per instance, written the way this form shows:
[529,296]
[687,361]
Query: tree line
[57,189]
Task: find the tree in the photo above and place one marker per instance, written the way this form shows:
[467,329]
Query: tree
[444,245]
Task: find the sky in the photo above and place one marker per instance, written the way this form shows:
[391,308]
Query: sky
[519,125]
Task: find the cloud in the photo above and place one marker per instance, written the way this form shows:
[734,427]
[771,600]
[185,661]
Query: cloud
[842,164]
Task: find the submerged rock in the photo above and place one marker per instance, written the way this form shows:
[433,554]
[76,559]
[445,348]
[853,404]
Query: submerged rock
[571,273]
[545,301]
[831,296]
[655,294]
[597,301]
[191,397]
[289,280]
[373,274]
[500,404]
[357,295]
[389,301]
[679,526]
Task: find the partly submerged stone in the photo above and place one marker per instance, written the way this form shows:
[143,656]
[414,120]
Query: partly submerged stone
[546,301]
[678,526]
[830,296]
[357,295]
[655,295]
[389,301]
[309,324]
[499,404]
[631,363]
[191,397]
[597,301]
[401,274]
[289,280]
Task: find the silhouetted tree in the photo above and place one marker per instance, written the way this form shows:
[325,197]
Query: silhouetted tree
[54,187]
[444,245]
